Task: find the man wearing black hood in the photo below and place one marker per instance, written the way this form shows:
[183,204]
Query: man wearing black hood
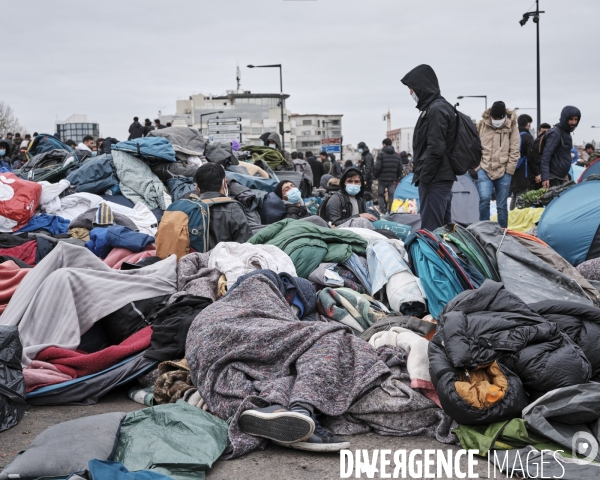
[135,129]
[349,201]
[388,171]
[432,142]
[366,165]
[556,156]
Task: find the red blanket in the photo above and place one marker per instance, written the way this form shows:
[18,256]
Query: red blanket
[25,252]
[10,278]
[78,364]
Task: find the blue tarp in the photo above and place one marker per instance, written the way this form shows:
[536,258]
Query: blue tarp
[45,143]
[570,222]
[151,148]
[406,189]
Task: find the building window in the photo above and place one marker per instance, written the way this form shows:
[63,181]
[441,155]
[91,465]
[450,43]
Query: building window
[306,122]
[335,122]
[336,133]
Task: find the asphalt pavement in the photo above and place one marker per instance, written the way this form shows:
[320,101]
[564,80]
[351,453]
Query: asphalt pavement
[272,463]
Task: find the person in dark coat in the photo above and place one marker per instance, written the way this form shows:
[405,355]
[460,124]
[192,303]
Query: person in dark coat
[147,127]
[534,156]
[349,201]
[523,178]
[326,163]
[432,141]
[292,199]
[366,165]
[556,155]
[158,125]
[228,222]
[336,166]
[317,168]
[388,171]
[135,129]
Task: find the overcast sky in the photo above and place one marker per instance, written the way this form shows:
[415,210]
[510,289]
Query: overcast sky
[112,59]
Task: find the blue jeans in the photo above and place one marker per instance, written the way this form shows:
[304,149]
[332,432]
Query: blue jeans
[502,187]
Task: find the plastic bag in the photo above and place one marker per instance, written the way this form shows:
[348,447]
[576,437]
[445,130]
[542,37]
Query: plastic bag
[12,384]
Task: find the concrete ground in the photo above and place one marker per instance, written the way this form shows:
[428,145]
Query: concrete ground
[273,463]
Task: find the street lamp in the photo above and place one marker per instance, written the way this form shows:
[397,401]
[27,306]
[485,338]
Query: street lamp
[474,96]
[281,131]
[595,127]
[206,114]
[536,20]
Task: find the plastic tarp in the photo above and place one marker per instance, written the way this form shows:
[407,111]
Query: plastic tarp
[522,220]
[523,273]
[12,385]
[178,440]
[592,169]
[148,148]
[569,224]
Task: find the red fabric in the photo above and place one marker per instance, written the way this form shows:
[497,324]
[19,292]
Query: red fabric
[18,198]
[79,364]
[10,278]
[25,252]
[118,256]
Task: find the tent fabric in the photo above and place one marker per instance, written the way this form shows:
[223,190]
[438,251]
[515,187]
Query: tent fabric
[523,273]
[592,169]
[106,470]
[522,220]
[183,139]
[571,222]
[95,175]
[147,148]
[177,440]
[45,143]
[89,389]
[75,282]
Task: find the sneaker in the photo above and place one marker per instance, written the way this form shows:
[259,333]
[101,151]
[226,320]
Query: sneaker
[277,423]
[321,440]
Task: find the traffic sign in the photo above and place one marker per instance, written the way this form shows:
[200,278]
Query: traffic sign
[331,148]
[224,137]
[228,119]
[331,141]
[224,128]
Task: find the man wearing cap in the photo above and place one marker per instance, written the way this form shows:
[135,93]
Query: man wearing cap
[500,140]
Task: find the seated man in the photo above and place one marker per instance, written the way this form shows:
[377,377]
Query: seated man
[292,199]
[348,202]
[227,221]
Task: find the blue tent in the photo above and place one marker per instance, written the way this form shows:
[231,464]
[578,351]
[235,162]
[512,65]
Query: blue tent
[45,143]
[406,189]
[592,169]
[571,223]
[152,148]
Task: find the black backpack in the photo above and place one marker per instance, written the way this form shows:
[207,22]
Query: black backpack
[466,152]
[322,212]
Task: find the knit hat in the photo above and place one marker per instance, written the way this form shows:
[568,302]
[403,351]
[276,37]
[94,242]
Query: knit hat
[104,215]
[498,110]
[279,188]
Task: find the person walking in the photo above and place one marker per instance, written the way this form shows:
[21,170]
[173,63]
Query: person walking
[523,178]
[135,129]
[500,140]
[556,154]
[388,171]
[433,138]
[366,165]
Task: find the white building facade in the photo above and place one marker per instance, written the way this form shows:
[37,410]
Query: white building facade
[308,131]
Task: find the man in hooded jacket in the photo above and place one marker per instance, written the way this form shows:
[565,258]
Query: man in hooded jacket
[388,171]
[349,201]
[366,165]
[556,156]
[432,142]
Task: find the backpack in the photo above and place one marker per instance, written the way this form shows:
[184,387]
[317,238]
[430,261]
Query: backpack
[322,212]
[197,227]
[466,151]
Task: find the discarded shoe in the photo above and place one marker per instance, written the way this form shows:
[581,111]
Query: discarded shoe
[278,424]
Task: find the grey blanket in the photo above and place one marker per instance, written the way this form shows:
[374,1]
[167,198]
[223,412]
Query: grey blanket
[71,289]
[184,139]
[195,278]
[248,349]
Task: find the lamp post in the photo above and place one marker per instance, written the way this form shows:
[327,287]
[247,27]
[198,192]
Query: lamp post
[281,130]
[536,20]
[204,115]
[474,96]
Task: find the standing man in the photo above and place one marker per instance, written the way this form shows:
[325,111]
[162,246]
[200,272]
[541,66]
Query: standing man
[147,127]
[523,178]
[326,163]
[135,129]
[366,165]
[500,140]
[158,125]
[316,167]
[433,138]
[388,171]
[556,155]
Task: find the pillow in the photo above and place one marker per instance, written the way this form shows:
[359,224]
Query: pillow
[67,448]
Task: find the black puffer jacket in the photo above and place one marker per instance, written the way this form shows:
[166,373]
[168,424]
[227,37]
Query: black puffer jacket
[490,324]
[366,164]
[435,130]
[580,322]
[388,166]
[339,207]
[556,156]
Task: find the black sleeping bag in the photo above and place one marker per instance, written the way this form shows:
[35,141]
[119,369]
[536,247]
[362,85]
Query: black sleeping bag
[491,324]
[580,322]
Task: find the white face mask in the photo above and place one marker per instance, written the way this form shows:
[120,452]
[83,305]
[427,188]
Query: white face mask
[414,96]
[498,123]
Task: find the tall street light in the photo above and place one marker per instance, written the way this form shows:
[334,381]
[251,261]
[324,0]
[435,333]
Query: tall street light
[536,20]
[206,114]
[474,96]
[281,130]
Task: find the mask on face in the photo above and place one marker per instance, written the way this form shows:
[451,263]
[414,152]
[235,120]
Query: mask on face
[353,189]
[498,123]
[410,159]
[2,153]
[294,195]
[572,155]
[272,145]
[94,153]
[360,150]
[414,96]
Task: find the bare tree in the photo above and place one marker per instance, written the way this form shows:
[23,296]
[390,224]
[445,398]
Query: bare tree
[8,121]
